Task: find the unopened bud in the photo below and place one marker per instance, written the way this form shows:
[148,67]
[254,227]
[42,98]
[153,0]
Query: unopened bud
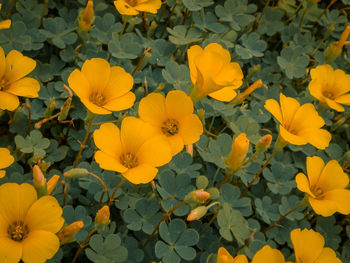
[198,196]
[238,152]
[264,143]
[189,149]
[65,109]
[76,173]
[86,17]
[201,115]
[102,216]
[66,234]
[242,96]
[39,181]
[50,108]
[335,49]
[51,184]
[197,213]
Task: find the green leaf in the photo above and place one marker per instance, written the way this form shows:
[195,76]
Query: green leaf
[252,46]
[196,5]
[180,35]
[293,62]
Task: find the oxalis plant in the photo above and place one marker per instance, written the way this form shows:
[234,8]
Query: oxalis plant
[171,131]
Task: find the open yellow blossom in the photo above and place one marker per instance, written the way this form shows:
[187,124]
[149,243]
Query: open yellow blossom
[102,88]
[172,117]
[133,7]
[6,23]
[6,160]
[299,124]
[268,255]
[225,257]
[309,247]
[331,87]
[13,82]
[135,150]
[239,150]
[213,73]
[325,186]
[86,17]
[28,225]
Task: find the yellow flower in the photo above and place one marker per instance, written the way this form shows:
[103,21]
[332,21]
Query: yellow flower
[309,247]
[330,86]
[66,234]
[133,7]
[239,150]
[268,254]
[102,88]
[6,160]
[6,23]
[213,73]
[172,117]
[134,150]
[324,186]
[299,125]
[225,257]
[86,17]
[28,225]
[13,82]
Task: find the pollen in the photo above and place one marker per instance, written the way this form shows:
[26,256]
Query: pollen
[97,99]
[17,231]
[129,160]
[170,127]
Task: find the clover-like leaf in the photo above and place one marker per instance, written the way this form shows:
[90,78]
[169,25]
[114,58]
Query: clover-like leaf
[252,46]
[293,62]
[177,75]
[180,35]
[196,5]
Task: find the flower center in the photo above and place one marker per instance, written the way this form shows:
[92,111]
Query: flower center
[132,2]
[17,231]
[97,99]
[170,127]
[317,191]
[3,85]
[328,95]
[129,160]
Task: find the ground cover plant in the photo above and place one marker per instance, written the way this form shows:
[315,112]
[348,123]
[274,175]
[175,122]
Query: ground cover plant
[174,131]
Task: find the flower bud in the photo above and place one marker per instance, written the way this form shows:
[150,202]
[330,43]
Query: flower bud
[66,234]
[189,149]
[264,143]
[39,181]
[238,152]
[50,108]
[102,217]
[242,96]
[51,184]
[199,196]
[201,115]
[65,109]
[197,213]
[76,173]
[335,49]
[86,17]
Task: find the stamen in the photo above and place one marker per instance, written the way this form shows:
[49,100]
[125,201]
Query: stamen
[170,127]
[97,99]
[128,160]
[17,231]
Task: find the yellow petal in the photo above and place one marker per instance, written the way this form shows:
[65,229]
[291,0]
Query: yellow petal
[150,6]
[328,256]
[268,254]
[10,251]
[45,214]
[176,143]
[178,105]
[341,83]
[306,117]
[79,84]
[39,246]
[292,138]
[190,129]
[141,174]
[5,24]
[120,103]
[341,198]
[319,138]
[230,74]
[108,162]
[332,177]
[15,200]
[2,63]
[223,53]
[97,72]
[134,132]
[344,99]
[26,87]
[334,105]
[224,256]
[107,139]
[124,8]
[323,207]
[2,173]
[240,259]
[6,158]
[192,53]
[154,151]
[152,109]
[120,83]
[308,244]
[303,184]
[315,88]
[225,94]
[94,108]
[314,167]
[323,74]
[274,108]
[8,101]
[289,107]
[18,66]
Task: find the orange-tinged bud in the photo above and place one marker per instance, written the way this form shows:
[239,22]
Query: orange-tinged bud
[197,213]
[51,184]
[189,149]
[86,17]
[335,49]
[242,96]
[102,216]
[76,173]
[238,152]
[66,234]
[39,181]
[201,196]
[264,143]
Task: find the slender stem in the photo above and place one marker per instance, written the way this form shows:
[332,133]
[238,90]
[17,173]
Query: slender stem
[210,133]
[64,190]
[227,176]
[145,21]
[324,11]
[111,199]
[261,14]
[258,174]
[83,245]
[9,8]
[168,19]
[82,145]
[125,20]
[140,60]
[29,116]
[103,185]
[43,11]
[246,241]
[167,215]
